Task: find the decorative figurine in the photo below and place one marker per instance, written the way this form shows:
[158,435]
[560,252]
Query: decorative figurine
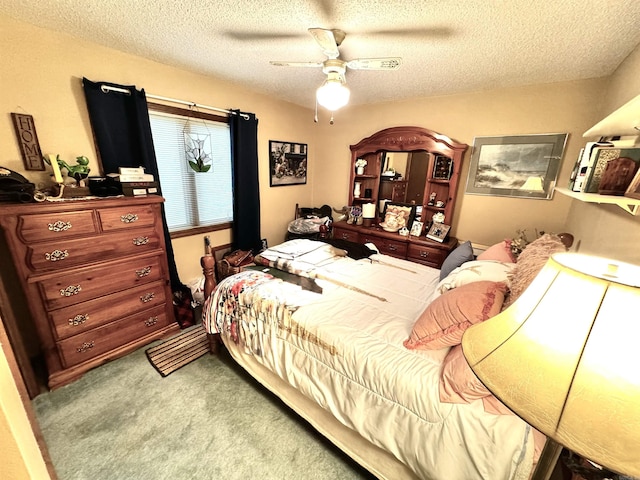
[432,199]
[438,217]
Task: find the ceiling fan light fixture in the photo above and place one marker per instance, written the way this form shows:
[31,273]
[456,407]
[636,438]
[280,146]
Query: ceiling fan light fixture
[333,94]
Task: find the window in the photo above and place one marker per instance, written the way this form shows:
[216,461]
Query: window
[192,199]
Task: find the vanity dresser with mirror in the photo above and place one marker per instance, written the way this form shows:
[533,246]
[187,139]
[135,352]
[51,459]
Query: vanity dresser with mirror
[405,165]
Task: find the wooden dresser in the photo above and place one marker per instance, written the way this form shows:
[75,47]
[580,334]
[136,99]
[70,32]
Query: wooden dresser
[415,249]
[95,276]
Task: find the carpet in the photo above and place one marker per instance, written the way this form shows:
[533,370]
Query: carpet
[178,351]
[210,420]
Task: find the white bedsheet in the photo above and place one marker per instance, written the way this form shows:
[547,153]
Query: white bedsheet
[343,349]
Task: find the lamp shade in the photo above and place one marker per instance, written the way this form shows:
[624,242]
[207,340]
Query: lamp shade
[565,357]
[333,93]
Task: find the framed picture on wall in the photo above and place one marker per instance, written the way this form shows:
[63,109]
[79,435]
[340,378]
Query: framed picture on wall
[516,166]
[287,163]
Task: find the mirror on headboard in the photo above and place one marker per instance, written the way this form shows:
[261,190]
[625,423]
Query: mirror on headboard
[400,167]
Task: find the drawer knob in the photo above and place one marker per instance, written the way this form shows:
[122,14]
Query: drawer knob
[393,248]
[140,241]
[129,218]
[78,319]
[143,272]
[56,255]
[424,254]
[151,321]
[70,291]
[59,226]
[147,297]
[85,346]
[345,236]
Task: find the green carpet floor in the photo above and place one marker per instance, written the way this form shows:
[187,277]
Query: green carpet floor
[208,420]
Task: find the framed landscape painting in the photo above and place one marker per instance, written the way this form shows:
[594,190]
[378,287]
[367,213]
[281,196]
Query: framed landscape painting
[516,166]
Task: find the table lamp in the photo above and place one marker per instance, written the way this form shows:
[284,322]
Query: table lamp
[565,358]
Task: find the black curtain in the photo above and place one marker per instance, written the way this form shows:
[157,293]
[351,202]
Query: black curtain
[122,130]
[246,188]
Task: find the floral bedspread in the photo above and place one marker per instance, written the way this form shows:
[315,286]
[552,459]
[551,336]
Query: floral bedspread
[246,305]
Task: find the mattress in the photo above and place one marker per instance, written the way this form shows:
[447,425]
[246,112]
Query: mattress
[343,349]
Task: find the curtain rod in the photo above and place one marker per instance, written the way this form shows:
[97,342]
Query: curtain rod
[108,88]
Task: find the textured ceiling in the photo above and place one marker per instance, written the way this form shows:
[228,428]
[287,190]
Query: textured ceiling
[447,46]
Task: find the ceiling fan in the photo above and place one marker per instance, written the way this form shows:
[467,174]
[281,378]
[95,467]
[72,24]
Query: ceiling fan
[333,93]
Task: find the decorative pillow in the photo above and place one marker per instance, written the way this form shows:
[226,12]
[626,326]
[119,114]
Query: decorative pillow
[475,271]
[458,383]
[446,318]
[500,252]
[529,264]
[461,254]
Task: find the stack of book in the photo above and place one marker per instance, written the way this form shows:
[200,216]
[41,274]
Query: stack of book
[592,162]
[135,182]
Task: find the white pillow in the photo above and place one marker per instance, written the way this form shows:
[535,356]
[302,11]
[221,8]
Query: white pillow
[476,271]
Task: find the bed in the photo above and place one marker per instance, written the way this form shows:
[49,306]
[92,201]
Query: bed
[339,340]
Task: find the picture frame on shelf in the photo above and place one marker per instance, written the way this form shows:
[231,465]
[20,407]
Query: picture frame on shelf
[524,166]
[397,215]
[416,228]
[438,232]
[287,163]
[442,168]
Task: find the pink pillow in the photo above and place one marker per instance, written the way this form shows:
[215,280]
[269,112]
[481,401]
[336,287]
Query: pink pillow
[446,318]
[500,252]
[458,383]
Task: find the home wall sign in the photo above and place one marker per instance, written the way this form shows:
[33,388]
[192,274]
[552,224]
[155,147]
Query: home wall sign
[28,141]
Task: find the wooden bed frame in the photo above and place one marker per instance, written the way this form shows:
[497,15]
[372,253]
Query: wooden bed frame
[374,459]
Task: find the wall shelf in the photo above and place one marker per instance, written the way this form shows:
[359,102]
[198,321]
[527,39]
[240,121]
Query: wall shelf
[624,121]
[630,205]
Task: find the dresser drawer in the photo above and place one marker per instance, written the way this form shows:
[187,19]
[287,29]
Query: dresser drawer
[432,257]
[345,235]
[84,316]
[126,217]
[51,226]
[386,246]
[83,285]
[90,344]
[66,253]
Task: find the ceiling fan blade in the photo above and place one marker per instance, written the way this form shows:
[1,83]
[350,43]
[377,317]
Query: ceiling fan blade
[389,63]
[296,64]
[246,36]
[328,40]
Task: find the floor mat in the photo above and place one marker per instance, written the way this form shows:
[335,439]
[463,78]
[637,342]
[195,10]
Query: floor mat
[178,351]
